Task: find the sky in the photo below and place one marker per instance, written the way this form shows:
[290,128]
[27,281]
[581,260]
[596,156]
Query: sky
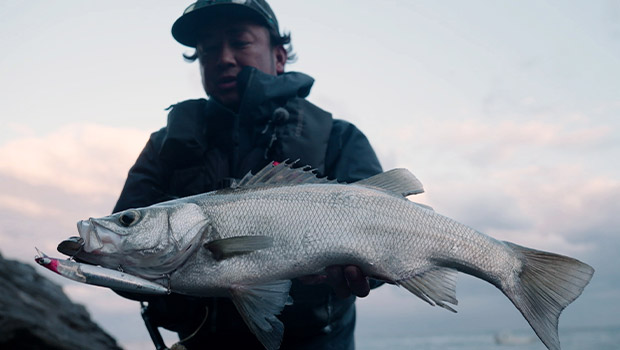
[506,111]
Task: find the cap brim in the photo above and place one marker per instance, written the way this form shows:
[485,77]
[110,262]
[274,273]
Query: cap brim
[186,28]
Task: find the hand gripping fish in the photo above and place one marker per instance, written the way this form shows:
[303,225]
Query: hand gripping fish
[249,241]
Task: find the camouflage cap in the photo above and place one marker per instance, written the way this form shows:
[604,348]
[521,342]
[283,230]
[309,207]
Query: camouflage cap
[185,29]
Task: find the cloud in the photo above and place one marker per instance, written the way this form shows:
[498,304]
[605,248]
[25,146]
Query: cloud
[541,181]
[559,207]
[49,182]
[483,142]
[79,158]
[26,206]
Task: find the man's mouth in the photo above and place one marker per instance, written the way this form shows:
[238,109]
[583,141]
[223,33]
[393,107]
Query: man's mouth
[227,83]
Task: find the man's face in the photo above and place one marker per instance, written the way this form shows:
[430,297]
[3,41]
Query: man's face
[225,47]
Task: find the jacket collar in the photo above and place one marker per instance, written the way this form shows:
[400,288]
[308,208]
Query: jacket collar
[262,92]
[185,137]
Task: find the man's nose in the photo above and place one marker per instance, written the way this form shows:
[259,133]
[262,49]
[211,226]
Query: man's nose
[226,56]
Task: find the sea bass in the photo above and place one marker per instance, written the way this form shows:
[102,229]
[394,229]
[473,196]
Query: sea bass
[247,242]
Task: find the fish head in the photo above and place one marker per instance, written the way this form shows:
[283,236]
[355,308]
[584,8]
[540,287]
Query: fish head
[148,237]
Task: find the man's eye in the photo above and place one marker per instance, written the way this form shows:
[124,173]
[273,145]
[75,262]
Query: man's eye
[241,43]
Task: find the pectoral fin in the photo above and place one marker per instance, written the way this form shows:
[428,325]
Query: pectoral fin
[227,247]
[259,305]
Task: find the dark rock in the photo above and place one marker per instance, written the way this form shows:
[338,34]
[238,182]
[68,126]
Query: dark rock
[36,314]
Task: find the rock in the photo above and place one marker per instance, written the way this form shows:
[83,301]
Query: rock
[36,314]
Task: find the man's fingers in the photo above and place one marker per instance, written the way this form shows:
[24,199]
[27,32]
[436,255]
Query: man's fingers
[312,279]
[357,281]
[335,278]
[346,280]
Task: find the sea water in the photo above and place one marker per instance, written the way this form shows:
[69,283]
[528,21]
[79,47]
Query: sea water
[571,339]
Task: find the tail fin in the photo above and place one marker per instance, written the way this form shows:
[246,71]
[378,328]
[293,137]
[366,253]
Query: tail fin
[546,285]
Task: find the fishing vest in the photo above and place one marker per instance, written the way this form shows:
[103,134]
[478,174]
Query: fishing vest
[205,145]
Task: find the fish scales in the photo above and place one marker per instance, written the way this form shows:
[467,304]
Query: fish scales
[385,235]
[247,242]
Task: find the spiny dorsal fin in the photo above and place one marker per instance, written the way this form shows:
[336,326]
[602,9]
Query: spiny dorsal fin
[282,174]
[399,181]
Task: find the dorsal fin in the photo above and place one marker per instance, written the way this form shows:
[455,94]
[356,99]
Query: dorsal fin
[396,181]
[427,207]
[282,174]
[399,181]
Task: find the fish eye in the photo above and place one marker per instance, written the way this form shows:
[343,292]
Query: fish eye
[129,217]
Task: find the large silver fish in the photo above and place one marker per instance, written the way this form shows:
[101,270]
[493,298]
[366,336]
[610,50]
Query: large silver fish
[248,241]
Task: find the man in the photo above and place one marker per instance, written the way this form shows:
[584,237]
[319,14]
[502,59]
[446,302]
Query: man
[256,113]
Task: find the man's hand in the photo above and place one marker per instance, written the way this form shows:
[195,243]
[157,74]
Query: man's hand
[345,280]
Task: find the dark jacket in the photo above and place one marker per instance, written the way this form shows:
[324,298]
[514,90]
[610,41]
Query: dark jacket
[203,148]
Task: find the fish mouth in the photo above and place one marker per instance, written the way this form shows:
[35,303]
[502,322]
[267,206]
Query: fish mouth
[98,239]
[71,246]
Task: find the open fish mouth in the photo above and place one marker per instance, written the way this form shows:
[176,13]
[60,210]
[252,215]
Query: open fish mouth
[98,239]
[71,246]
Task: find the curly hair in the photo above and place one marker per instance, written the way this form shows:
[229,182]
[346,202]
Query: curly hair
[275,40]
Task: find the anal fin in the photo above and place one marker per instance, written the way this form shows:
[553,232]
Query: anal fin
[258,305]
[436,286]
